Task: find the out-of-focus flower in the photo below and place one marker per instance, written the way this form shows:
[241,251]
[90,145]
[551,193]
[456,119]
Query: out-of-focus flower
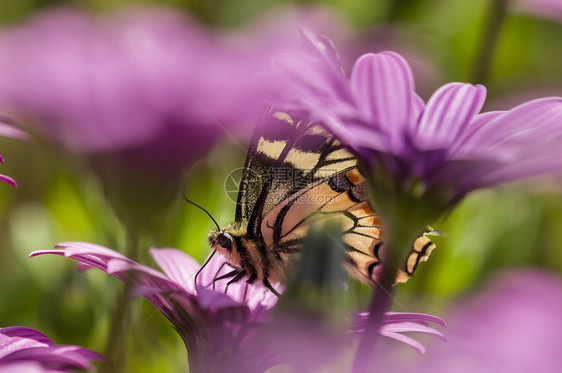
[7,129]
[27,350]
[220,328]
[148,79]
[7,179]
[142,94]
[551,9]
[396,323]
[443,146]
[311,326]
[308,342]
[512,325]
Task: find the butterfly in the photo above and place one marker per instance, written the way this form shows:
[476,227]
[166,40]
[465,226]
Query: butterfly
[298,174]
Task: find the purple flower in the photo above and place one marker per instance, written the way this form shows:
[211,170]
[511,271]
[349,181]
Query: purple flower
[396,323]
[512,325]
[444,148]
[148,79]
[551,9]
[7,179]
[142,95]
[421,158]
[26,350]
[219,328]
[8,130]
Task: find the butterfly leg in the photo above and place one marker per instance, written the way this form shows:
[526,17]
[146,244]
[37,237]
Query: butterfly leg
[216,274]
[268,285]
[245,291]
[228,275]
[236,278]
[250,280]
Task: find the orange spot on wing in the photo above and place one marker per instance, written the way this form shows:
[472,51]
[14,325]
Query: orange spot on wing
[354,176]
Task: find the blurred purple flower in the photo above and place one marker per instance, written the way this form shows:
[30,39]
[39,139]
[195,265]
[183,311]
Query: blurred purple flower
[26,350]
[7,179]
[551,9]
[148,83]
[142,95]
[146,79]
[396,323]
[513,325]
[220,329]
[310,343]
[444,146]
[7,129]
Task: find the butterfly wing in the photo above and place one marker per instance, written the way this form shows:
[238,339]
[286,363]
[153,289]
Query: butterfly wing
[285,157]
[342,197]
[297,173]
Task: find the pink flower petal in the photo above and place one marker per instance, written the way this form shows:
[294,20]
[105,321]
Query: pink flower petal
[177,265]
[15,338]
[448,113]
[20,344]
[7,130]
[537,120]
[413,317]
[8,180]
[411,327]
[382,85]
[405,339]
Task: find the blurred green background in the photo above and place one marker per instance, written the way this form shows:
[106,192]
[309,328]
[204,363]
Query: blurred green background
[518,57]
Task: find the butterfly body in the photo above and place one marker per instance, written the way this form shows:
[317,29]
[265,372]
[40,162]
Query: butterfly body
[249,255]
[298,175]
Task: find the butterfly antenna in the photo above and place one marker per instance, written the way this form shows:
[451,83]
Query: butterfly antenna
[202,208]
[204,265]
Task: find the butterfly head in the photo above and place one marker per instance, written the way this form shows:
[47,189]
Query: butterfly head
[226,240]
[222,241]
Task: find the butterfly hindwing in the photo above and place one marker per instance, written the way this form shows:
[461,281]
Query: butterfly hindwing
[342,197]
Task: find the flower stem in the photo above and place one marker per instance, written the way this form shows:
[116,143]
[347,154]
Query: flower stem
[398,240]
[485,54]
[115,347]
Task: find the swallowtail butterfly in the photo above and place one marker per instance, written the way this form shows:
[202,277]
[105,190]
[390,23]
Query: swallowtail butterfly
[297,173]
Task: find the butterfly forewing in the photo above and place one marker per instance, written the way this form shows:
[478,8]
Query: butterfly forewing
[284,158]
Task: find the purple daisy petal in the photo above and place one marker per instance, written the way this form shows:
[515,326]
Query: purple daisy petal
[530,121]
[174,281]
[210,322]
[15,338]
[413,317]
[8,130]
[410,327]
[445,148]
[448,113]
[22,347]
[8,180]
[177,265]
[382,86]
[406,340]
[396,323]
